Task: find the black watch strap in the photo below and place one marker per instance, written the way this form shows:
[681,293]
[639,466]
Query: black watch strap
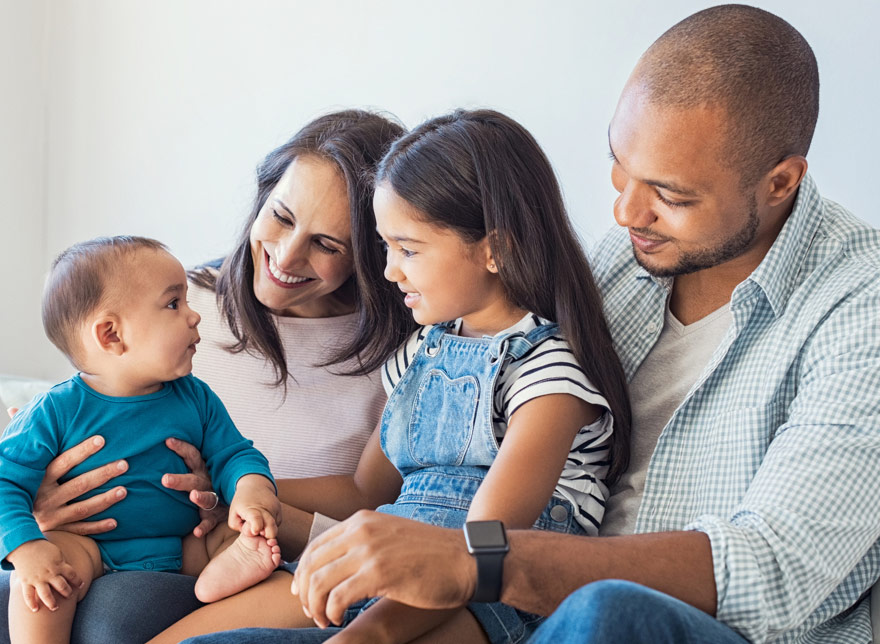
[490,567]
[487,543]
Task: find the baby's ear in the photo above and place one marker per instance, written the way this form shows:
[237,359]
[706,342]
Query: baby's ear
[106,334]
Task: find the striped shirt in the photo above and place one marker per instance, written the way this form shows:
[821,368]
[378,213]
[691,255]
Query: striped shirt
[548,368]
[774,452]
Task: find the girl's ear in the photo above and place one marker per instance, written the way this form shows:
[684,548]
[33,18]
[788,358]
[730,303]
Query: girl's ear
[486,251]
[107,335]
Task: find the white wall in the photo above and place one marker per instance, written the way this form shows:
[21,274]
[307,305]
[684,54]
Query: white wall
[23,224]
[156,112]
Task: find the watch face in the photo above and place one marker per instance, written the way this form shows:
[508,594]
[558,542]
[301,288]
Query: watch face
[485,534]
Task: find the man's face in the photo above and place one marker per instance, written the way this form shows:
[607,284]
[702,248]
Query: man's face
[685,211]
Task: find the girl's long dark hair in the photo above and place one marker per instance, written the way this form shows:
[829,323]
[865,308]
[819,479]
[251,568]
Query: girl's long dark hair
[480,173]
[354,141]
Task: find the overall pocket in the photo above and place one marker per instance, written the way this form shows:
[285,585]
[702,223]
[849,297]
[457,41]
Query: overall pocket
[442,419]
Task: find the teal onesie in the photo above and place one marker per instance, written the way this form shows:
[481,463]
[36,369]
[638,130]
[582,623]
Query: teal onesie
[151,519]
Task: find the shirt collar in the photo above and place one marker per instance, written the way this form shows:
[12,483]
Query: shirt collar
[777,274]
[527,323]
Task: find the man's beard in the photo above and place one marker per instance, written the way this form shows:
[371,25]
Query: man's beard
[698,260]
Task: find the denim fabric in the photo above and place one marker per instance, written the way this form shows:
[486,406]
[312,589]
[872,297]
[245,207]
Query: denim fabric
[440,412]
[266,636]
[437,430]
[127,607]
[621,612]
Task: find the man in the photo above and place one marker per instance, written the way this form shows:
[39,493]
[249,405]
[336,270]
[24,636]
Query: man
[746,311]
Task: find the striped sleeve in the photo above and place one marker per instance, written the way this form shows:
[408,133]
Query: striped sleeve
[549,368]
[398,363]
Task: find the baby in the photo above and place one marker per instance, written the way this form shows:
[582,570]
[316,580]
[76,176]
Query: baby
[116,307]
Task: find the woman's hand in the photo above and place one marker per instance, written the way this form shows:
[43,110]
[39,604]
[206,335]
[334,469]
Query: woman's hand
[51,509]
[198,484]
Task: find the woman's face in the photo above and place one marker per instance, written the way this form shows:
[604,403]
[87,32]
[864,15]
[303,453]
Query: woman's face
[301,242]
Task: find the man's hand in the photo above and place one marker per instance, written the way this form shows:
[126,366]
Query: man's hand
[42,571]
[197,483]
[373,554]
[255,507]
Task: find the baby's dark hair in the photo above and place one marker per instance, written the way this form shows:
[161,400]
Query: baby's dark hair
[481,173]
[78,284]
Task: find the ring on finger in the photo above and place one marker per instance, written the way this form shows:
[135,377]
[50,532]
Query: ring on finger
[216,501]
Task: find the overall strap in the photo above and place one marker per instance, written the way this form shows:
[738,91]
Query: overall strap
[516,345]
[435,335]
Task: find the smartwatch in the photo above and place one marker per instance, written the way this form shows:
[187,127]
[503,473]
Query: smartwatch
[487,542]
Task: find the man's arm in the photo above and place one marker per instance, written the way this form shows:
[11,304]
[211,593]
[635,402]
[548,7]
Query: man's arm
[425,566]
[543,568]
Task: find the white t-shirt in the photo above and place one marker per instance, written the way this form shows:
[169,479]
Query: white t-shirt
[550,368]
[323,424]
[657,389]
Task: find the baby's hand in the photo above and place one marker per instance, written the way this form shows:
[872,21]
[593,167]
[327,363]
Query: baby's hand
[42,571]
[255,507]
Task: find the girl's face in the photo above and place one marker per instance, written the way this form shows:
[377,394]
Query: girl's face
[443,276]
[301,242]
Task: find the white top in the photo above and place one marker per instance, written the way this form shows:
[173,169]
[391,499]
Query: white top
[657,389]
[548,369]
[323,424]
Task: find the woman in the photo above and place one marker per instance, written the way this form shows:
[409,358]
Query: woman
[294,322]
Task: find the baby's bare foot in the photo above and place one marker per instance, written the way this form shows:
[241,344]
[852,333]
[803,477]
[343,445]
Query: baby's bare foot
[245,562]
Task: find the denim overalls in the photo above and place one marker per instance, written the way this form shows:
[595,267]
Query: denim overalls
[437,430]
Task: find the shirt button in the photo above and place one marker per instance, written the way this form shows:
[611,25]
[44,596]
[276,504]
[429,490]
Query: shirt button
[652,327]
[559,513]
[148,565]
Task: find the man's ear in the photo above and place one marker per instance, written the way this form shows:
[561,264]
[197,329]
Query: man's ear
[785,178]
[106,333]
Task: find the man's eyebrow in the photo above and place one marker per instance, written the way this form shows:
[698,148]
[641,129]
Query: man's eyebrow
[292,216]
[671,187]
[665,185]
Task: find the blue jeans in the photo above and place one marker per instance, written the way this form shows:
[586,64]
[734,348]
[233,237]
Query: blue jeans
[614,611]
[123,607]
[605,612]
[266,636]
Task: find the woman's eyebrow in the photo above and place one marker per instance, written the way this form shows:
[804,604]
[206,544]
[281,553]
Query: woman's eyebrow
[284,205]
[324,235]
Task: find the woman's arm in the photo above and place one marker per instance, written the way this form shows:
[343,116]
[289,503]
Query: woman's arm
[375,481]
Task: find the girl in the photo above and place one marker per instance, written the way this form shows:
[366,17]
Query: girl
[494,408]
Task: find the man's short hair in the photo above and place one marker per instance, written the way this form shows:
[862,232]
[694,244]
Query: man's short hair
[78,283]
[752,64]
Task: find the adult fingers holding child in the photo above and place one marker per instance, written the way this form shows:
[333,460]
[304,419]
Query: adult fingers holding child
[198,484]
[52,507]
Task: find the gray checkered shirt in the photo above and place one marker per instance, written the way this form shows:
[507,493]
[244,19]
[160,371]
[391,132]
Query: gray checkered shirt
[775,451]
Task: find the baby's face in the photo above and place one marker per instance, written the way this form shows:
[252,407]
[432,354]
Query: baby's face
[159,330]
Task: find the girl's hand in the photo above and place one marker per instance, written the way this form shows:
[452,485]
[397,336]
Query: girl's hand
[42,571]
[51,509]
[198,484]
